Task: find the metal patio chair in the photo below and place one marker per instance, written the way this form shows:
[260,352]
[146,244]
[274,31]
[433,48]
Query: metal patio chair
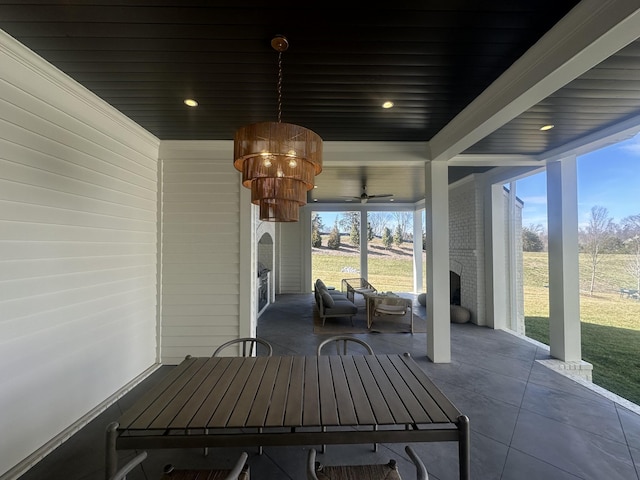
[249,346]
[385,471]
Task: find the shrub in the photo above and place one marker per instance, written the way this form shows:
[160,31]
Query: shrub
[397,236]
[333,242]
[316,238]
[387,239]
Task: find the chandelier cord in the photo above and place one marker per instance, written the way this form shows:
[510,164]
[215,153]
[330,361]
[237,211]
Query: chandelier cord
[279,87]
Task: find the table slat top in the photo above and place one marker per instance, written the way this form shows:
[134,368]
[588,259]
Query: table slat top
[325,391]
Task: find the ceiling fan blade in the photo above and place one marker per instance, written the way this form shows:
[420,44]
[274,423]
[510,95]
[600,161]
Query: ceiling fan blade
[382,195]
[364,197]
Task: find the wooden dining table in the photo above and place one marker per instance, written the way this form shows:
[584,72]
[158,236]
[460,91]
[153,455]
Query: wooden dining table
[290,400]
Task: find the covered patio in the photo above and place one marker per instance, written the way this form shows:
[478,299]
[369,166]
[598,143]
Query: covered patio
[127,241]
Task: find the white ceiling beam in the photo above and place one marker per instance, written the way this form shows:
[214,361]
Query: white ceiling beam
[590,33]
[478,160]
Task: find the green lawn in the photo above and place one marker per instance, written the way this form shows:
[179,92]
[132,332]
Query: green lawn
[610,324]
[389,269]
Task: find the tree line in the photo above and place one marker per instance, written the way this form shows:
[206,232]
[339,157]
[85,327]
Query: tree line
[379,224]
[601,235]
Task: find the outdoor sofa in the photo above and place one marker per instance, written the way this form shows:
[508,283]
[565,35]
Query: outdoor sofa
[332,303]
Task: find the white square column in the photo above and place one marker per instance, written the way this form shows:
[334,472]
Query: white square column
[437,246]
[417,251]
[496,274]
[564,286]
[364,244]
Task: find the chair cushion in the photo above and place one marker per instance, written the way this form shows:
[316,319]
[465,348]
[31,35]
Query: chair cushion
[343,307]
[337,295]
[320,284]
[383,309]
[364,290]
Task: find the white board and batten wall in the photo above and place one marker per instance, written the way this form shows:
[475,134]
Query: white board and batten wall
[78,255]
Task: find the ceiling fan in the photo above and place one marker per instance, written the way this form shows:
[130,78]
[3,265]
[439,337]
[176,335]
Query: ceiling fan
[364,197]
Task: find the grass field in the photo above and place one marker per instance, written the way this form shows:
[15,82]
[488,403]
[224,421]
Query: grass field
[610,323]
[389,269]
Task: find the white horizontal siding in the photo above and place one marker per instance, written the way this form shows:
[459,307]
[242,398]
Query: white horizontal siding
[78,257]
[200,248]
[291,258]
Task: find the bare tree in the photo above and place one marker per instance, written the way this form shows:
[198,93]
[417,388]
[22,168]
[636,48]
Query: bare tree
[404,224]
[596,235]
[631,232]
[379,220]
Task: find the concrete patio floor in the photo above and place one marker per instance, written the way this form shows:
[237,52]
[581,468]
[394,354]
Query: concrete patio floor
[527,421]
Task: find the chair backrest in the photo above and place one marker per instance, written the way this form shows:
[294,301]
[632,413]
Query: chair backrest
[390,305]
[249,346]
[342,342]
[421,470]
[240,471]
[371,472]
[122,473]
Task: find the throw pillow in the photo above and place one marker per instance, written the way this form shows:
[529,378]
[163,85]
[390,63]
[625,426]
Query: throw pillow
[327,299]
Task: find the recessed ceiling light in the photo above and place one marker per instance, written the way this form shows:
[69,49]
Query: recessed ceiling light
[544,128]
[190,102]
[348,200]
[392,200]
[387,104]
[315,199]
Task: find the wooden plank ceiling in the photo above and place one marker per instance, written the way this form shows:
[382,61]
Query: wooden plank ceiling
[431,58]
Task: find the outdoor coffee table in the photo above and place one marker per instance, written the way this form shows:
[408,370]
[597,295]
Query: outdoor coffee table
[290,400]
[351,286]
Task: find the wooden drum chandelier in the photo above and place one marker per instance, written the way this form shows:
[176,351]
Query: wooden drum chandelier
[278,160]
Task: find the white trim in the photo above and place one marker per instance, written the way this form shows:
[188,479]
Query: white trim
[500,160]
